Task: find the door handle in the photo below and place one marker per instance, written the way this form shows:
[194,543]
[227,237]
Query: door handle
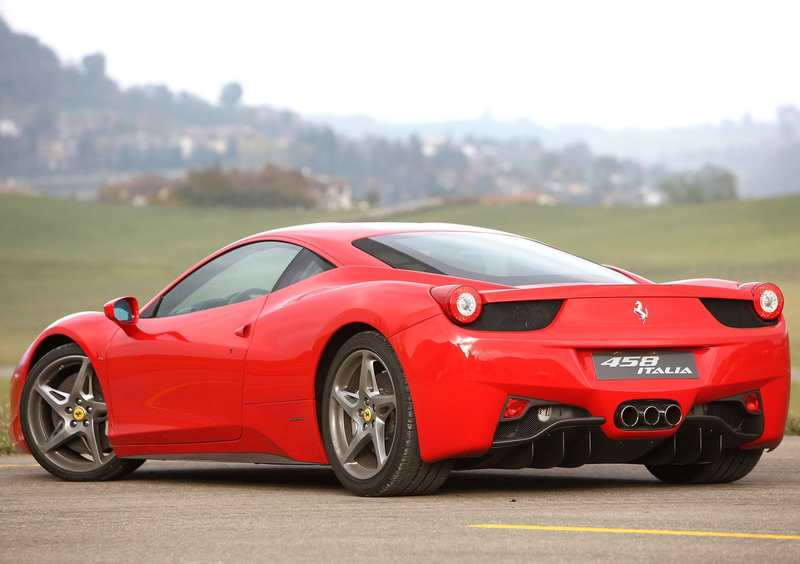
[243,331]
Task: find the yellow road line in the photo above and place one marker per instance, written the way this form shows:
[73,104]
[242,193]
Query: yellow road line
[641,532]
[17,465]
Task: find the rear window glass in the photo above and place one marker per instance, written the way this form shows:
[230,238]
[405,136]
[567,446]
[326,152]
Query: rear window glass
[489,257]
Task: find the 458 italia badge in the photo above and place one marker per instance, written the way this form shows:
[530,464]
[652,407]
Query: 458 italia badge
[640,365]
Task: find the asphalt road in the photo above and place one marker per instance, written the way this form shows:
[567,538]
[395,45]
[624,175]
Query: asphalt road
[211,512]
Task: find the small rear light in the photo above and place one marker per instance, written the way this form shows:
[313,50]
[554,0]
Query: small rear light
[463,304]
[515,407]
[768,301]
[752,403]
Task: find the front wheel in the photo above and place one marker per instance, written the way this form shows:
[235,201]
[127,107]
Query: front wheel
[64,419]
[732,464]
[368,425]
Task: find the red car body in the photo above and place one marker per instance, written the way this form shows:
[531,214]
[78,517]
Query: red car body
[243,382]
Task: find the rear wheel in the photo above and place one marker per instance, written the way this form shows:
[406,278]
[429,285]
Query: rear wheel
[732,465]
[368,424]
[64,419]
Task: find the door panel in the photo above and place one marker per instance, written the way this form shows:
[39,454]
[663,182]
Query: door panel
[176,377]
[179,379]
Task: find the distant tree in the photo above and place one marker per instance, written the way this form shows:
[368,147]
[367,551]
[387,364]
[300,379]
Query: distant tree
[43,120]
[578,154]
[549,163]
[230,95]
[94,66]
[604,172]
[373,198]
[271,186]
[30,71]
[148,188]
[708,184]
[159,94]
[789,123]
[208,187]
[779,174]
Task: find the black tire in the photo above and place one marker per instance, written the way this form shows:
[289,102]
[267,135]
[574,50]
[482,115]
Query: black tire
[63,395]
[732,464]
[403,472]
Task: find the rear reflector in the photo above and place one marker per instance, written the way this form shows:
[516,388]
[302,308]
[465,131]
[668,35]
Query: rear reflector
[515,407]
[752,403]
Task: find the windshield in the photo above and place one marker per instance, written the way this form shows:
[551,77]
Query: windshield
[489,257]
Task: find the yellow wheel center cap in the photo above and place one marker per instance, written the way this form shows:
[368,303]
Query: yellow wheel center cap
[79,414]
[367,415]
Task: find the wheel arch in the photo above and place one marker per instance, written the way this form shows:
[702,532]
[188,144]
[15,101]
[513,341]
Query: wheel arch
[48,344]
[91,331]
[337,340]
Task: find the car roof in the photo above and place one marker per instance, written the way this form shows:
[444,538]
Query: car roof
[353,231]
[335,239]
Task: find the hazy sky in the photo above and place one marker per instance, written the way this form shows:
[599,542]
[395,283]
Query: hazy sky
[609,63]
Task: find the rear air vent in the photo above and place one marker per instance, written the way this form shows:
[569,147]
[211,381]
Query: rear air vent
[739,314]
[536,420]
[517,316]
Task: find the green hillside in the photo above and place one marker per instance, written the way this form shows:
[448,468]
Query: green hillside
[61,256]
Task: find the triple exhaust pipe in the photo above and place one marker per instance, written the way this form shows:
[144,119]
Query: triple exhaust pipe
[665,415]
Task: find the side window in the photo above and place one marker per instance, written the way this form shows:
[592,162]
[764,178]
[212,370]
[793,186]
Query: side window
[241,274]
[306,265]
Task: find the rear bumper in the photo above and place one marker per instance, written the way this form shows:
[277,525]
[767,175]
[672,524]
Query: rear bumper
[460,379]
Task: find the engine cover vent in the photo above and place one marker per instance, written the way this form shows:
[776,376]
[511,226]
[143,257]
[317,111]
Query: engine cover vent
[517,316]
[739,314]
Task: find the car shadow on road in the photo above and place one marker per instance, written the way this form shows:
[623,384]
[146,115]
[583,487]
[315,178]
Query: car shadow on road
[550,481]
[233,475]
[322,478]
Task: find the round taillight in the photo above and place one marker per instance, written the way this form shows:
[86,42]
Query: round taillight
[768,301]
[463,304]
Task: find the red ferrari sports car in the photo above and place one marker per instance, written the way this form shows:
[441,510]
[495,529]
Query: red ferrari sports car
[398,352]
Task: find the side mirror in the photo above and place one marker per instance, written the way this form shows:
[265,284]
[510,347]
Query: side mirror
[122,311]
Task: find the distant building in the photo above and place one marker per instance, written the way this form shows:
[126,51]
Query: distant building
[10,186]
[652,196]
[331,194]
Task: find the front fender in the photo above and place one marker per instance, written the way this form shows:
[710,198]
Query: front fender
[90,330]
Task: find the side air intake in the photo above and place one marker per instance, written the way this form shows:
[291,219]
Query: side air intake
[517,316]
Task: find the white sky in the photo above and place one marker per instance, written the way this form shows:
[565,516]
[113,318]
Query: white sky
[609,63]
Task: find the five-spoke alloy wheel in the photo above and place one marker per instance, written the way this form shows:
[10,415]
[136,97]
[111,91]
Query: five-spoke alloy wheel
[363,414]
[65,419]
[368,424]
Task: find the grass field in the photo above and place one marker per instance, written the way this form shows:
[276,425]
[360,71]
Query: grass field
[61,256]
